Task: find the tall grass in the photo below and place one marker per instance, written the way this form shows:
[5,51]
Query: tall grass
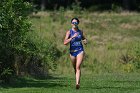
[110,36]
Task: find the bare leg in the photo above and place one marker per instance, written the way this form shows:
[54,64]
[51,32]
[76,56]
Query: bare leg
[79,60]
[73,60]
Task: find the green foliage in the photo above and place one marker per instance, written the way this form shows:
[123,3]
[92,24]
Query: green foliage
[18,49]
[116,8]
[131,59]
[47,52]
[58,15]
[135,53]
[76,8]
[13,21]
[14,26]
[7,72]
[62,16]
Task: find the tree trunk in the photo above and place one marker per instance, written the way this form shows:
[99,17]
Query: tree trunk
[76,1]
[16,64]
[133,4]
[43,4]
[126,4]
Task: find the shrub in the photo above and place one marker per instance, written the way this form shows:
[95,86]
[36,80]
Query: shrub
[116,8]
[14,26]
[18,51]
[131,59]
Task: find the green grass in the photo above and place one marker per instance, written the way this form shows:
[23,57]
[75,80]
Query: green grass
[105,83]
[110,37]
[112,40]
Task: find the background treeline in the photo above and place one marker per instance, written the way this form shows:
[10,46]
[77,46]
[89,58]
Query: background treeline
[88,4]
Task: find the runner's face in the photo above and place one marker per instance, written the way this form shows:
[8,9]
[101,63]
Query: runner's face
[74,23]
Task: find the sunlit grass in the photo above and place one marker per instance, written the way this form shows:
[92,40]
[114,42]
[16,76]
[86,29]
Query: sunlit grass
[110,35]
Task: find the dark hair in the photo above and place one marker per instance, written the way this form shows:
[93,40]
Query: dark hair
[75,19]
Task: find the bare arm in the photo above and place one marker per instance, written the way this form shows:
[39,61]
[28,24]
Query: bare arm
[67,39]
[84,38]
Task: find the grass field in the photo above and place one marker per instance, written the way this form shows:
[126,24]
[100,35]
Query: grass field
[105,83]
[113,48]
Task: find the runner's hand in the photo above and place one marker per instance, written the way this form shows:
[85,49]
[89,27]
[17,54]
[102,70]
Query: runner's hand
[76,34]
[85,41]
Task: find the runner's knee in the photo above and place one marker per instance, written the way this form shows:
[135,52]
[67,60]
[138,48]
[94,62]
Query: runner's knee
[77,68]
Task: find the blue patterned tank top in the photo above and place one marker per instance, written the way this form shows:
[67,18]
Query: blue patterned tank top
[76,43]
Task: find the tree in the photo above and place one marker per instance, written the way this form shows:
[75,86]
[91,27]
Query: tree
[130,4]
[18,51]
[14,26]
[106,4]
[43,4]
